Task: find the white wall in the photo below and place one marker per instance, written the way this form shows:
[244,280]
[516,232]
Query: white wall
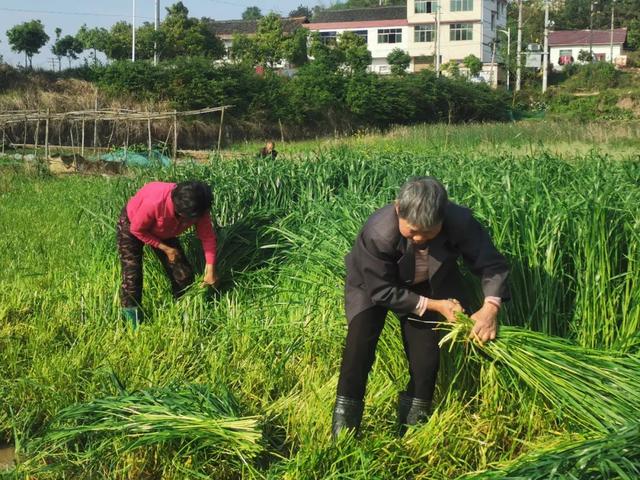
[480,45]
[554,52]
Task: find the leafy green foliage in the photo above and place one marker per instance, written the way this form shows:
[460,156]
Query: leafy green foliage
[67,46]
[399,61]
[94,39]
[28,37]
[473,64]
[252,13]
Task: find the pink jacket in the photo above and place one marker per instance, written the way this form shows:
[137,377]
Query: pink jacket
[153,219]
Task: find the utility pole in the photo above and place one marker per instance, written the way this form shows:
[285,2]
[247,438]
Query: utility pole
[613,5]
[508,33]
[156,26]
[545,53]
[519,48]
[437,59]
[133,33]
[593,3]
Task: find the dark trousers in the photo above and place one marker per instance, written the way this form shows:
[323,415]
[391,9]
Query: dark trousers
[420,346]
[130,249]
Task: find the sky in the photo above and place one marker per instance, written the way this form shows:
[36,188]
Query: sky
[71,14]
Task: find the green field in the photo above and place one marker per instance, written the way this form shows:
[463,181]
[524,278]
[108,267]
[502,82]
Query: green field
[240,382]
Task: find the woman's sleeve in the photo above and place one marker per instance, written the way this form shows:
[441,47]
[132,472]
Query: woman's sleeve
[207,236]
[141,222]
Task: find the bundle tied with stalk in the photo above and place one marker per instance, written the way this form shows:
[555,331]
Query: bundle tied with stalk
[190,419]
[594,390]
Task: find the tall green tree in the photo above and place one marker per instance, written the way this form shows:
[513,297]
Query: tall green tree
[94,39]
[67,46]
[58,32]
[252,13]
[28,37]
[270,45]
[118,44]
[357,56]
[182,35]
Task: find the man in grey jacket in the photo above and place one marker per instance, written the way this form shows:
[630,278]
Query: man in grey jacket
[405,260]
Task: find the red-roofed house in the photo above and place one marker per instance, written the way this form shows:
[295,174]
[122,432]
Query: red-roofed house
[565,45]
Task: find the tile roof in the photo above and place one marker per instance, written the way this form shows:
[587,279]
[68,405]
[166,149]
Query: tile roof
[361,14]
[583,37]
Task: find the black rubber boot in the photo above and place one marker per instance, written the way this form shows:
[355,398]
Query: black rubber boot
[347,414]
[411,411]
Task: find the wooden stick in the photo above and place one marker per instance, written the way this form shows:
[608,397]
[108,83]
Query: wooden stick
[82,144]
[149,132]
[175,136]
[281,131]
[36,138]
[220,129]
[24,141]
[46,137]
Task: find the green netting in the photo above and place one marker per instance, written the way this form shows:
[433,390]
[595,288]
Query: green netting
[154,158]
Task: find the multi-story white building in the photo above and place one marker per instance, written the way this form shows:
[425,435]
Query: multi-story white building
[452,29]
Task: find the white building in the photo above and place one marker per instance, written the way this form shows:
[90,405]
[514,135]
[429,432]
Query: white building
[464,27]
[565,45]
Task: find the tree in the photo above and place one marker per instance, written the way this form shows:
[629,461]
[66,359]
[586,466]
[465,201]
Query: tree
[67,46]
[357,56]
[585,56]
[295,47]
[94,39]
[28,37]
[252,13]
[399,61]
[473,64]
[58,55]
[244,49]
[182,35]
[270,40]
[452,68]
[118,44]
[301,11]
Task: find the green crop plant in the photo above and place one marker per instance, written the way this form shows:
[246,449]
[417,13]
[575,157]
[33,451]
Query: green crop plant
[272,333]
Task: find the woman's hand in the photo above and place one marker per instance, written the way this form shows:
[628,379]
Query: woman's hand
[486,323]
[447,308]
[210,277]
[172,253]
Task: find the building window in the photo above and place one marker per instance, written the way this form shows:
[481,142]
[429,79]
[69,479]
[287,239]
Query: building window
[328,38]
[424,33]
[461,31]
[461,5]
[389,35]
[362,34]
[425,6]
[494,18]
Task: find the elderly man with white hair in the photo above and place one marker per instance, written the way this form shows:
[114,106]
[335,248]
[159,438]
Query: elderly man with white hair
[405,260]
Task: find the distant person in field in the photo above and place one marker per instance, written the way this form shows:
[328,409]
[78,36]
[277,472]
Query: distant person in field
[268,151]
[404,260]
[155,216]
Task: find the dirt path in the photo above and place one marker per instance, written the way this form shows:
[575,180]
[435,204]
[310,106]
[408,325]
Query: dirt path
[7,457]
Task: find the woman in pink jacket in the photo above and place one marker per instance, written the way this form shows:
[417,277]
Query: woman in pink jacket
[155,216]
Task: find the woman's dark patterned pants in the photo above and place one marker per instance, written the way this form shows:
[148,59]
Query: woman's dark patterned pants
[130,249]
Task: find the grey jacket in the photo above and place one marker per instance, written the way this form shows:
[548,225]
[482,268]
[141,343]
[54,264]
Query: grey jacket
[381,264]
